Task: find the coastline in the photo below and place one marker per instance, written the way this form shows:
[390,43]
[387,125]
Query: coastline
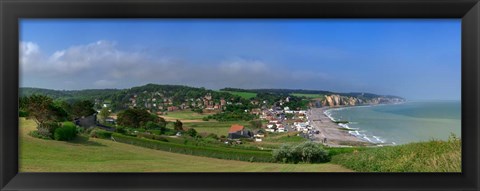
[335,136]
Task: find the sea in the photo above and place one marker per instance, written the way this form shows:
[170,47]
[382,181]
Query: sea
[393,124]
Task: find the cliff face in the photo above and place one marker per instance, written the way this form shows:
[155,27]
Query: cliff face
[338,100]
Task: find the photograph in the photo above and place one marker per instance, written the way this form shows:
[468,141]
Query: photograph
[240,95]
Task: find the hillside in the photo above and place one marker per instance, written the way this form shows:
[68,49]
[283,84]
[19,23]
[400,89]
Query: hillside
[99,155]
[431,156]
[159,98]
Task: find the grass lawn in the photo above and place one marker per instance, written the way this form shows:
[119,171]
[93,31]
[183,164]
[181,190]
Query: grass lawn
[308,95]
[216,127]
[246,95]
[290,137]
[185,115]
[98,155]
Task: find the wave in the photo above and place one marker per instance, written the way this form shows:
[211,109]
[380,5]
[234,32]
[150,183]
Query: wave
[355,131]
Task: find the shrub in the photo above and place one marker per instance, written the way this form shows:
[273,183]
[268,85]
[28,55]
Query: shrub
[120,130]
[80,130]
[151,125]
[212,135]
[160,138]
[307,152]
[191,132]
[65,133]
[97,133]
[208,151]
[22,113]
[38,135]
[47,129]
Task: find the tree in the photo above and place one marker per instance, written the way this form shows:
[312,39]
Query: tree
[40,109]
[191,132]
[178,125]
[82,109]
[104,114]
[256,124]
[136,118]
[151,125]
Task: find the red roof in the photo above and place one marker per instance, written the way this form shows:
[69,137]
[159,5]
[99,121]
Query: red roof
[235,127]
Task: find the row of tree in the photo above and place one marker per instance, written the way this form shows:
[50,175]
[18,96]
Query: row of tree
[43,109]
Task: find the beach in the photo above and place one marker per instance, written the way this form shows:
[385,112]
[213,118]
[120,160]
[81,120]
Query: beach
[335,136]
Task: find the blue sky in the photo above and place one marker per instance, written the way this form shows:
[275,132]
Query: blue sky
[415,59]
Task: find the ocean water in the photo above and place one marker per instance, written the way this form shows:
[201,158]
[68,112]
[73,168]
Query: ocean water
[402,123]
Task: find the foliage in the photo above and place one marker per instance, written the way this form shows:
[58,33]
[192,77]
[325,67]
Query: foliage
[98,133]
[178,125]
[431,156]
[47,129]
[214,152]
[82,109]
[40,108]
[136,118]
[154,137]
[22,113]
[191,132]
[65,133]
[256,124]
[212,136]
[104,113]
[120,129]
[307,152]
[36,134]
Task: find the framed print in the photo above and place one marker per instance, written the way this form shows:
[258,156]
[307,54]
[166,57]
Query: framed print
[302,95]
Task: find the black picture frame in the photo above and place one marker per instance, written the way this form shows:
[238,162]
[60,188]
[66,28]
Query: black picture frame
[11,11]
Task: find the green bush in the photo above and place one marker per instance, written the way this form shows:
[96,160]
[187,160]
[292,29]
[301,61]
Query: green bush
[120,130]
[201,150]
[47,129]
[307,152]
[38,135]
[97,133]
[80,130]
[65,133]
[191,132]
[22,113]
[212,136]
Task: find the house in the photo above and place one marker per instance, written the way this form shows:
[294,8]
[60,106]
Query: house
[270,130]
[238,131]
[259,134]
[110,120]
[88,121]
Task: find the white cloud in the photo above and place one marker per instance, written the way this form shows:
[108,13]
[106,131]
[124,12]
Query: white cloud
[103,65]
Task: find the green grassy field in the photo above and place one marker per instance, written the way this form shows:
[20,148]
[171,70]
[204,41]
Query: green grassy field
[308,95]
[219,128]
[432,156]
[98,155]
[290,137]
[246,95]
[184,115]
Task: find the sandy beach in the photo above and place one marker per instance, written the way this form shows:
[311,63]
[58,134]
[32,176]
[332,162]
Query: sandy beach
[335,136]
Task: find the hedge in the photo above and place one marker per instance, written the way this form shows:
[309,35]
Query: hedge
[97,133]
[65,133]
[214,152]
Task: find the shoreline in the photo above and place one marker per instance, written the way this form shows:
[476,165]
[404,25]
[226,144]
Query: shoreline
[335,136]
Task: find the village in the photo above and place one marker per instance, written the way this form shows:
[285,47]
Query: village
[275,117]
